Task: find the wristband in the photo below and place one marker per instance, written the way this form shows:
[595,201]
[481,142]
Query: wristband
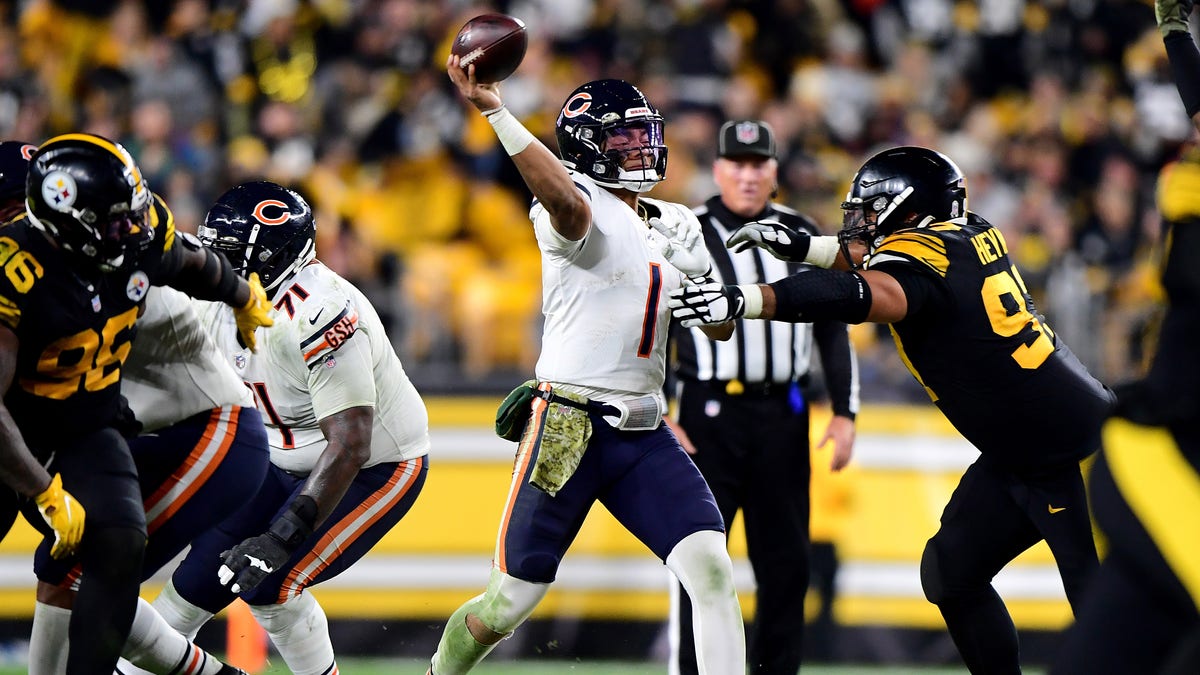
[822,251]
[296,524]
[754,301]
[512,134]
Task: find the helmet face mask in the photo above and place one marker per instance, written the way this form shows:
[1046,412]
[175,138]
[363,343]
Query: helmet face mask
[262,228]
[901,188]
[610,132]
[89,195]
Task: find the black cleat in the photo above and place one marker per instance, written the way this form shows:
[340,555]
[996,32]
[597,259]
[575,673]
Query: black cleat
[227,669]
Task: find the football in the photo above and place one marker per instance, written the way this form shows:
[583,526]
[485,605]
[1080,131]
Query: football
[494,43]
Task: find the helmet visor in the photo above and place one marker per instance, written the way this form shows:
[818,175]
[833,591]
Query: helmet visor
[634,146]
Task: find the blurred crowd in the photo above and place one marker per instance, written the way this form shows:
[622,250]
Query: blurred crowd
[1060,112]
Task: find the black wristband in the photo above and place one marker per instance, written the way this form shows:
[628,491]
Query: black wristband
[1185,68]
[296,524]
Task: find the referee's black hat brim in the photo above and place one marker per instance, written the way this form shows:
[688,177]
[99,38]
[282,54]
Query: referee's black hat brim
[746,138]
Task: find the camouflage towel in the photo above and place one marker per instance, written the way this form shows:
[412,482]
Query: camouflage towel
[565,435]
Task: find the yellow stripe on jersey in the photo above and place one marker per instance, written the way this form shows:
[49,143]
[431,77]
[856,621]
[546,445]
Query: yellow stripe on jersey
[155,219]
[1163,490]
[908,364]
[919,246]
[10,313]
[1178,192]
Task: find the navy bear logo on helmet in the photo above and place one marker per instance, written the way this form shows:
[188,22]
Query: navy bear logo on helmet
[609,131]
[263,228]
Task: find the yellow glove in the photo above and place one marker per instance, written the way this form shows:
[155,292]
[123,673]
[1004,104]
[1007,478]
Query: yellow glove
[253,314]
[64,515]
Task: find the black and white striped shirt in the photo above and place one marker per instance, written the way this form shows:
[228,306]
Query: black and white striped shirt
[764,351]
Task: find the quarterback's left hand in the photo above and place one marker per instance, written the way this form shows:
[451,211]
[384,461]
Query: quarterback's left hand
[707,303]
[251,561]
[676,231]
[253,314]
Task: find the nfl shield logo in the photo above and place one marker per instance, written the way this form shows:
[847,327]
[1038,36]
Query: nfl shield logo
[747,132]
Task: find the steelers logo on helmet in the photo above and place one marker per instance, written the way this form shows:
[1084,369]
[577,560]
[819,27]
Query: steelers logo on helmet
[262,228]
[609,131]
[88,193]
[59,190]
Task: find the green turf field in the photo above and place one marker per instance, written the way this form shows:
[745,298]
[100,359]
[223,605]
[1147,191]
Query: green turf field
[405,667]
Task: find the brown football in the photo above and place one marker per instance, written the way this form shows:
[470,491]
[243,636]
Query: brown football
[493,43]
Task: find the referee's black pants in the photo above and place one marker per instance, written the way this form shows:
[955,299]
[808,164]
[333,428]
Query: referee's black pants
[753,451]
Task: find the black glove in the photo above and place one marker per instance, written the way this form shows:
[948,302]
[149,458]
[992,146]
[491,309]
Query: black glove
[778,239]
[256,558]
[707,303]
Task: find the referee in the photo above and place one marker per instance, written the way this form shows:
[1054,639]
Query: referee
[742,415]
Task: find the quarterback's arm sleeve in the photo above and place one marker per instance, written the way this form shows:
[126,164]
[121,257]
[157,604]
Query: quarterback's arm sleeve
[840,366]
[343,378]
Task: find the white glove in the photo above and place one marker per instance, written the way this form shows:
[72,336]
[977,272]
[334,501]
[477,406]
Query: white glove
[677,234]
[707,303]
[784,243]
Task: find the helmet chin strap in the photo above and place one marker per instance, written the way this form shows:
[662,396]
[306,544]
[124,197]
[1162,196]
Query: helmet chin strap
[630,180]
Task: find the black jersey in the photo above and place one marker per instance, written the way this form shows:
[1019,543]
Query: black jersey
[985,356]
[74,329]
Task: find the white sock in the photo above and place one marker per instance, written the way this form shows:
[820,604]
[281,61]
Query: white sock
[158,648]
[299,629]
[180,614]
[48,640]
[702,565]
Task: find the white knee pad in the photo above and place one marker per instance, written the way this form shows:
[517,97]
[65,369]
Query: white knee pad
[299,629]
[701,563]
[508,601]
[182,615]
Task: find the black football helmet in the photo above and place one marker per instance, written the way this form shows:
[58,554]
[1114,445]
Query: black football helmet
[900,188]
[606,113]
[262,227]
[88,193]
[14,167]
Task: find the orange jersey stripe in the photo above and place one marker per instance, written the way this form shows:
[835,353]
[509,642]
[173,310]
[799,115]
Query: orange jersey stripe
[524,454]
[339,537]
[203,461]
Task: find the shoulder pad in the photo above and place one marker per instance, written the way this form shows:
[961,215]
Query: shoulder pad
[163,222]
[917,247]
[324,326]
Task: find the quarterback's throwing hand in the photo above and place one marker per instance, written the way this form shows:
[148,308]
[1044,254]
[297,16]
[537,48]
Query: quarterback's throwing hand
[707,303]
[248,563]
[778,239]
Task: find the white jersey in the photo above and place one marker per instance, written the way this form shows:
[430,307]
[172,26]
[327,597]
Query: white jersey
[605,301]
[174,369]
[326,353]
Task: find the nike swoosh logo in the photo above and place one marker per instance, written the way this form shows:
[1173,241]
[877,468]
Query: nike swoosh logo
[1051,509]
[868,183]
[313,320]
